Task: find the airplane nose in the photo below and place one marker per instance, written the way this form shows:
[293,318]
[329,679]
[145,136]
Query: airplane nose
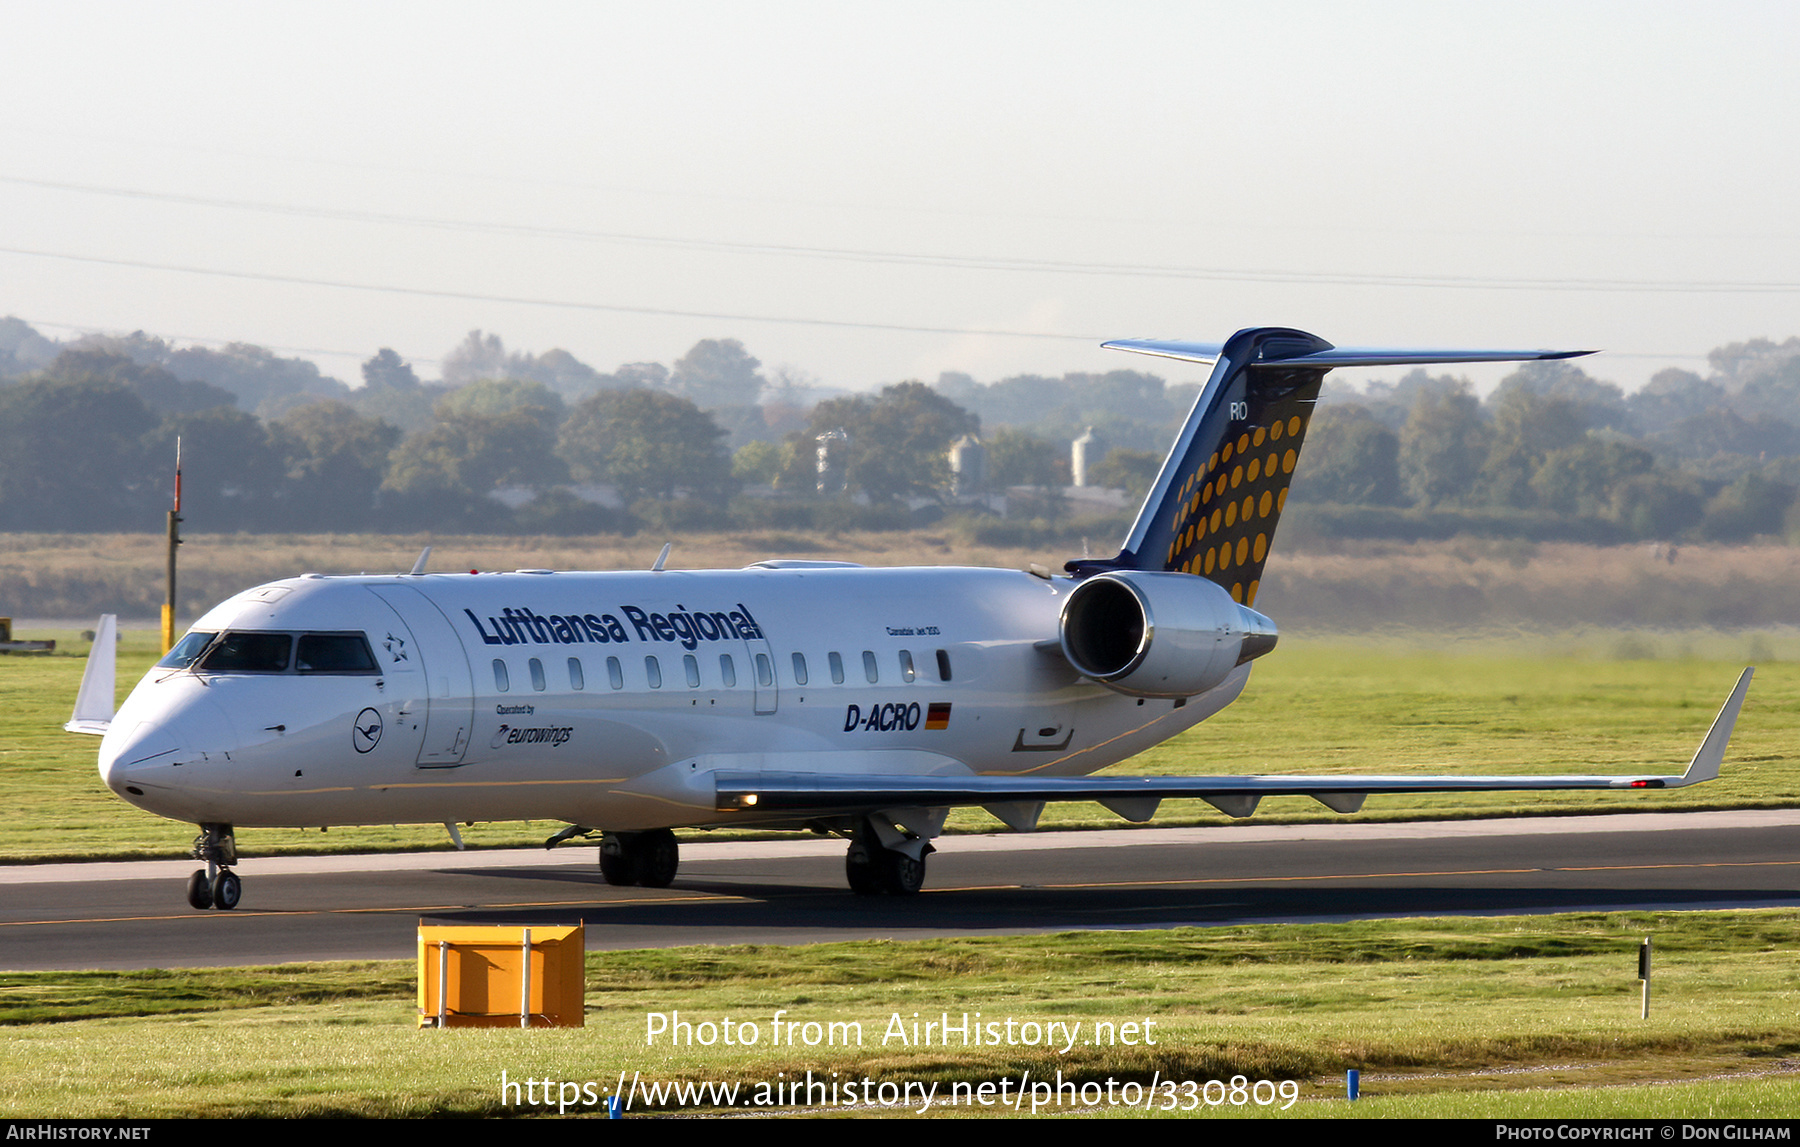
[139,754]
[144,745]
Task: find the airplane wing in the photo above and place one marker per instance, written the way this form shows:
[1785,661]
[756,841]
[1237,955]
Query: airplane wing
[1136,798]
[94,700]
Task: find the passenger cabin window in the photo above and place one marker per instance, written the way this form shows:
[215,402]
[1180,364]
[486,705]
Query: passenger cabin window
[653,671]
[501,682]
[335,653]
[576,678]
[799,668]
[728,671]
[907,673]
[837,668]
[765,671]
[250,653]
[943,660]
[689,663]
[537,674]
[615,673]
[188,648]
[869,668]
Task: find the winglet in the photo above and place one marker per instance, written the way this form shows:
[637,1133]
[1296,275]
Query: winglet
[1705,765]
[94,700]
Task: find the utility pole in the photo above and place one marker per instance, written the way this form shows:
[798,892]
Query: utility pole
[168,610]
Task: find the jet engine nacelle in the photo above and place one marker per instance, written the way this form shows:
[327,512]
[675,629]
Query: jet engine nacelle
[1148,634]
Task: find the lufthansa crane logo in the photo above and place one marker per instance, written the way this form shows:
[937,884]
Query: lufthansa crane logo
[365,731]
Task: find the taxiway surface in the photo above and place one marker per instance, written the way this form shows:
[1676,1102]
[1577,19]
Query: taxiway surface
[134,915]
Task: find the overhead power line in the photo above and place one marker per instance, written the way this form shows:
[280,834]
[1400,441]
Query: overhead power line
[928,259]
[528,301]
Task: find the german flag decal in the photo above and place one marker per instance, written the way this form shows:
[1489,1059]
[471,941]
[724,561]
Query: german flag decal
[938,716]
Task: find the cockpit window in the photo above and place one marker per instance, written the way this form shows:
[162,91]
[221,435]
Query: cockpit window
[335,653]
[188,648]
[245,652]
[249,653]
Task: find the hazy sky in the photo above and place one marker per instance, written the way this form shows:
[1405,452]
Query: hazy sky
[867,192]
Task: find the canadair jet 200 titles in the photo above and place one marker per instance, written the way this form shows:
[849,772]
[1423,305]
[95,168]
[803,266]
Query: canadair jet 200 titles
[790,694]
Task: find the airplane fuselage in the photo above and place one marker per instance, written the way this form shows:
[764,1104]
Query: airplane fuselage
[610,699]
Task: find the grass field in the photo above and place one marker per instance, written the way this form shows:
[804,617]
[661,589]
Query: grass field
[1534,1016]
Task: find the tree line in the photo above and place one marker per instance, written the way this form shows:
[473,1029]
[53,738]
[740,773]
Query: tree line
[1684,457]
[507,441]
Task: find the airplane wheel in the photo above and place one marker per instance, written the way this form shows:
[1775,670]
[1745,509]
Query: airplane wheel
[859,869]
[899,874]
[618,861]
[226,889]
[658,856]
[199,891]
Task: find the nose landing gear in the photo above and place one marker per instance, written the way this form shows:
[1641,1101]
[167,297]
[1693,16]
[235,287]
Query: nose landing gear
[215,886]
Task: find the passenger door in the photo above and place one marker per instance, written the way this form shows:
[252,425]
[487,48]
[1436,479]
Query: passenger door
[450,687]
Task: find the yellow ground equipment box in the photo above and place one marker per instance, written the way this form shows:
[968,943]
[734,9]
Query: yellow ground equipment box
[8,645]
[490,977]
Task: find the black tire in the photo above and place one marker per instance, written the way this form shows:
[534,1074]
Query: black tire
[900,874]
[199,891]
[618,861]
[859,870]
[658,856]
[227,889]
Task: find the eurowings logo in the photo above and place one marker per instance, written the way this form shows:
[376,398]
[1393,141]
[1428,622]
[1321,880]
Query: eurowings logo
[552,735]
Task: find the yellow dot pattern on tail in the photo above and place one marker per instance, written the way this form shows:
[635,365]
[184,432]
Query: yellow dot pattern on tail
[1230,501]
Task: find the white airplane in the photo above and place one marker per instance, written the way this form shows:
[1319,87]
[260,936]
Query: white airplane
[800,695]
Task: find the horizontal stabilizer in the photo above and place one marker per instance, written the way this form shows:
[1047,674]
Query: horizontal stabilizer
[94,700]
[838,793]
[1337,356]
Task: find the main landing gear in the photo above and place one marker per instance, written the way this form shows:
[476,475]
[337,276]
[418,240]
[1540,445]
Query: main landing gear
[215,886]
[646,858]
[874,868]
